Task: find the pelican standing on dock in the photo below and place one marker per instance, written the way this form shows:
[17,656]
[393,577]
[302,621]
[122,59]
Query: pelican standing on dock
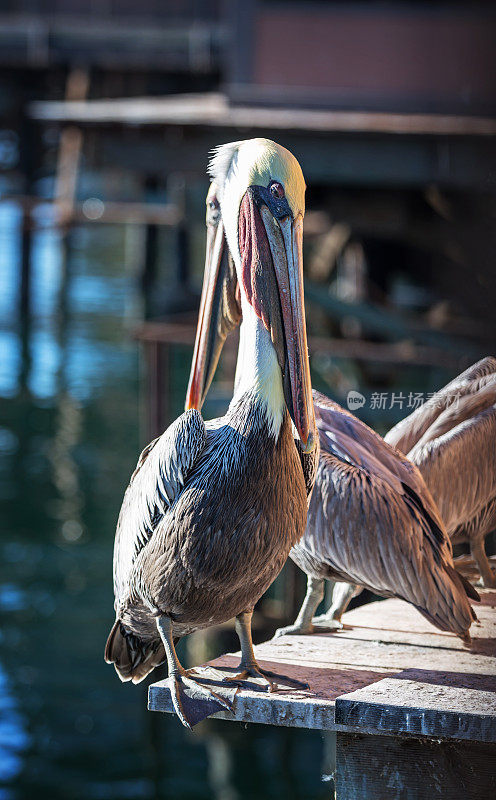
[213,509]
[370,513]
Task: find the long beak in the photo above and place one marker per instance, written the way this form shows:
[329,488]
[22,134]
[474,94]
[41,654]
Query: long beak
[220,312]
[280,303]
[289,274]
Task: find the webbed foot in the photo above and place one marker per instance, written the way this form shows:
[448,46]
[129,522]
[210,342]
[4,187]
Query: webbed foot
[248,667]
[254,671]
[297,629]
[488,581]
[193,700]
[320,624]
[326,623]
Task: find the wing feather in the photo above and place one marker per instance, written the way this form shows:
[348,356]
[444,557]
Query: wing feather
[157,481]
[408,431]
[460,468]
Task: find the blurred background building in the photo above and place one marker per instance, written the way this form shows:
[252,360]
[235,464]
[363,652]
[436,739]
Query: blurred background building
[107,112]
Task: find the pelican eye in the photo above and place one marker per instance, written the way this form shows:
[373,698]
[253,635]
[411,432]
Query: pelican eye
[276,189]
[213,204]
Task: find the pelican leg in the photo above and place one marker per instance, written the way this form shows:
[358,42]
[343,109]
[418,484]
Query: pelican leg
[341,596]
[181,679]
[248,665]
[303,622]
[478,552]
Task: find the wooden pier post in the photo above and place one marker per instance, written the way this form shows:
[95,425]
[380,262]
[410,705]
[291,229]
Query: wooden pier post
[69,154]
[399,768]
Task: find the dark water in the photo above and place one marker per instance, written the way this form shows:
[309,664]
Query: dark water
[69,438]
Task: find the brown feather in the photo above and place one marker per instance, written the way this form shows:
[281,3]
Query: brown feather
[132,657]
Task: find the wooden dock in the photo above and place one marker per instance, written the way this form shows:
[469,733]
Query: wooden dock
[388,672]
[413,709]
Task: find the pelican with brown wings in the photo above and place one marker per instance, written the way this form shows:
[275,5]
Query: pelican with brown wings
[213,508]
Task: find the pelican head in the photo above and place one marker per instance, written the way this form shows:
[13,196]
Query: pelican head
[260,188]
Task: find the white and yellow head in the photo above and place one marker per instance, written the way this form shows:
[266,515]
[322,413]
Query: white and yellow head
[261,191]
[254,162]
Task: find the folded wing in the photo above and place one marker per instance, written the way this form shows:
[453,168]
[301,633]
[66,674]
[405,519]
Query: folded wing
[159,477]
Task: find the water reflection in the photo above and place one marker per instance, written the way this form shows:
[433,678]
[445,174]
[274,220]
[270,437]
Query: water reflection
[68,442]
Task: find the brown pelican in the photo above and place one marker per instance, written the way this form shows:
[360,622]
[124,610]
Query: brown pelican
[371,515]
[452,440]
[213,508]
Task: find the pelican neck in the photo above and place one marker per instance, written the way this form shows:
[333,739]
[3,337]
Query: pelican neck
[258,374]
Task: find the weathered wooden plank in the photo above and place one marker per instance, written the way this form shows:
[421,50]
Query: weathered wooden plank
[432,703]
[394,622]
[398,352]
[214,109]
[375,654]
